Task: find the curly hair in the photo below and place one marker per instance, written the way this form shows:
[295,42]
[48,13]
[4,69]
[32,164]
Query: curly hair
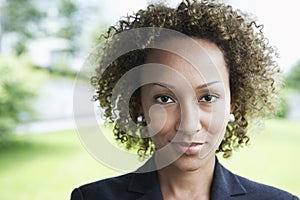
[254,73]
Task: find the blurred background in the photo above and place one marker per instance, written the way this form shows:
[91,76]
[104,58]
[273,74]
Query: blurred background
[43,45]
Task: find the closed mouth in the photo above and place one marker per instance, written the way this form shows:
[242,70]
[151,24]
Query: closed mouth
[188,148]
[188,144]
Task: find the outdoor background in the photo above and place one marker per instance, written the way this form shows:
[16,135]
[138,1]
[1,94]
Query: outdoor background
[43,45]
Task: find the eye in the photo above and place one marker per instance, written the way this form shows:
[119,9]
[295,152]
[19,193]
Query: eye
[208,98]
[164,99]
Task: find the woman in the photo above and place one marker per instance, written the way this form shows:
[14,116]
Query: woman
[193,79]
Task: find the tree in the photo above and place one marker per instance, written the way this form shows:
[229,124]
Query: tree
[293,77]
[21,21]
[18,87]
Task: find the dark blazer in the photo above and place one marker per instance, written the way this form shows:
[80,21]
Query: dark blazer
[145,186]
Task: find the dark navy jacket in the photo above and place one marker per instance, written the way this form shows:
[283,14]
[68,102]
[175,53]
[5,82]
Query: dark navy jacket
[145,186]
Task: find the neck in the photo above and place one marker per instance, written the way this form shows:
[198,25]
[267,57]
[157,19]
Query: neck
[178,183]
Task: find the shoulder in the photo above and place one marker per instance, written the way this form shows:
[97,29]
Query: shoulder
[257,190]
[127,187]
[111,188]
[231,185]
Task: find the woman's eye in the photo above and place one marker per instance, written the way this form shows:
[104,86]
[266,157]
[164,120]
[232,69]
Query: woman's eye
[164,99]
[209,98]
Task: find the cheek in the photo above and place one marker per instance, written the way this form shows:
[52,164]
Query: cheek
[160,124]
[218,120]
[159,120]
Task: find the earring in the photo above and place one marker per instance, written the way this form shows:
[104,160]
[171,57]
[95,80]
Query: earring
[140,119]
[231,118]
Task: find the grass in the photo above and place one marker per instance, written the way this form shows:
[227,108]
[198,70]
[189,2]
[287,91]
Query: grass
[50,165]
[272,157]
[46,166]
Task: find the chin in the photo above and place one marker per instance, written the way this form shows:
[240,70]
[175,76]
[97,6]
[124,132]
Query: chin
[190,163]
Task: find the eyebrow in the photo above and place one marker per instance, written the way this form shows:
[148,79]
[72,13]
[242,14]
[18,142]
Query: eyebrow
[165,85]
[207,84]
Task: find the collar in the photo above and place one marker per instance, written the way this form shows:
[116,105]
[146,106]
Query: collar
[147,185]
[145,182]
[225,186]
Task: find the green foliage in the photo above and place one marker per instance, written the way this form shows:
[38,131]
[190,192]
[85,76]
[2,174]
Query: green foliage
[17,14]
[21,19]
[293,78]
[29,19]
[283,107]
[18,86]
[71,26]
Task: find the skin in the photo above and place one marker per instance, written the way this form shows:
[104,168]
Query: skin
[186,109]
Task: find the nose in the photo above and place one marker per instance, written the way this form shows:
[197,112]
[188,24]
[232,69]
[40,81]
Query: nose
[189,121]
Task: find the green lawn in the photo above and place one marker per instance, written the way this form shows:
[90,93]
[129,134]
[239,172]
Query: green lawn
[50,165]
[272,157]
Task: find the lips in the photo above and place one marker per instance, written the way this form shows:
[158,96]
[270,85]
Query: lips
[188,148]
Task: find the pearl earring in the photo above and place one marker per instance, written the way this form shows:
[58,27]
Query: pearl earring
[231,118]
[140,119]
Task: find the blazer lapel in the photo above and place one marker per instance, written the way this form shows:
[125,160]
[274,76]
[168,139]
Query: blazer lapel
[145,182]
[147,185]
[226,185]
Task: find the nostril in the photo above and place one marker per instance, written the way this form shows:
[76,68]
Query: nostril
[189,127]
[188,132]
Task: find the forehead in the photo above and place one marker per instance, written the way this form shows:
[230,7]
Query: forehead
[197,59]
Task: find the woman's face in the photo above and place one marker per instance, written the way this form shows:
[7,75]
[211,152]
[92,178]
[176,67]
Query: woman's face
[187,107]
